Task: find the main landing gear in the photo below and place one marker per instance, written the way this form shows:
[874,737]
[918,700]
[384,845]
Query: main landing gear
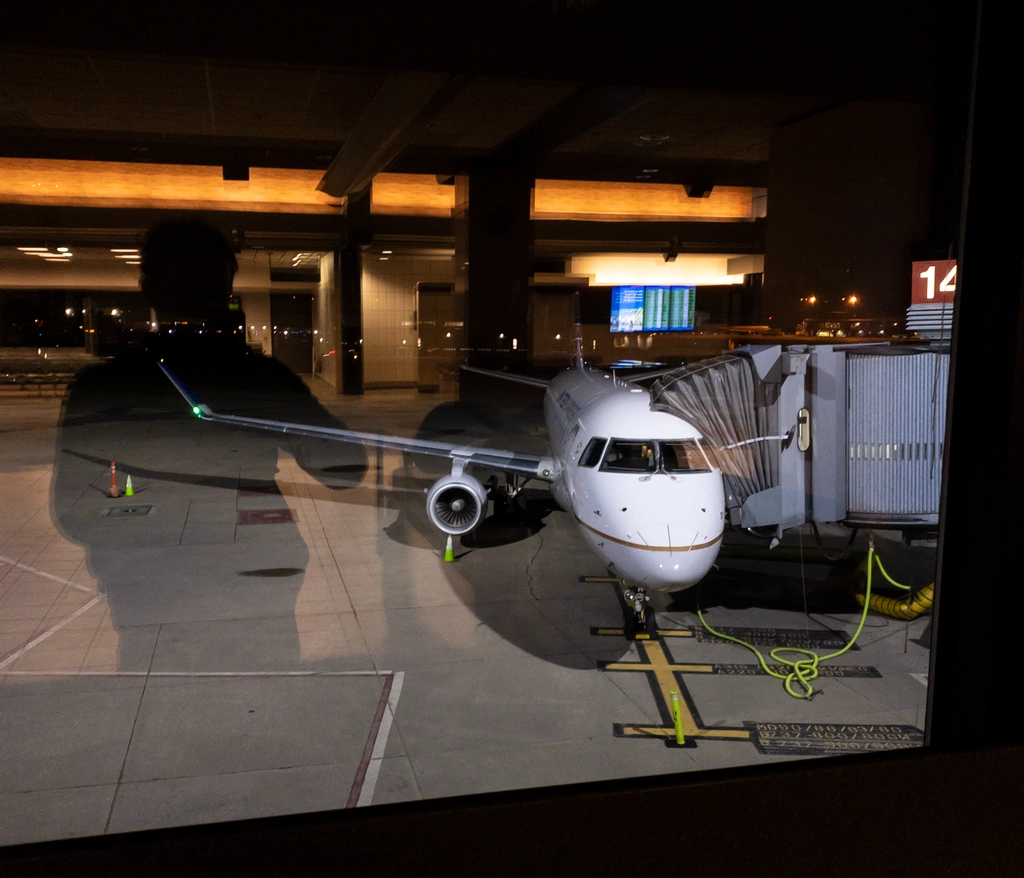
[640,621]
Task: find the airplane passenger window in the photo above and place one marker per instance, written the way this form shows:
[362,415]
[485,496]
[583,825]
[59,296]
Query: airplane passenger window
[592,453]
[629,456]
[683,456]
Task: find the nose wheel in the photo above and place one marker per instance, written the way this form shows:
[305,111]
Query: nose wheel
[639,622]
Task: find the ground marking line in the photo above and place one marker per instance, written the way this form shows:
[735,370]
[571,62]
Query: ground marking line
[204,674]
[36,641]
[365,781]
[373,769]
[46,575]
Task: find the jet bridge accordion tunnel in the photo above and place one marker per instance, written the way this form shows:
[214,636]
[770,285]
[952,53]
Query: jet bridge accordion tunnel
[823,433]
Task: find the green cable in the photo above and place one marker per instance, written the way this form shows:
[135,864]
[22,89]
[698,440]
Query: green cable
[804,670]
[892,581]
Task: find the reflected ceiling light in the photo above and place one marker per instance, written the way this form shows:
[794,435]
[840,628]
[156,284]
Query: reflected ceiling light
[62,249]
[386,252]
[605,200]
[126,255]
[82,183]
[411,195]
[34,249]
[137,262]
[611,269]
[124,249]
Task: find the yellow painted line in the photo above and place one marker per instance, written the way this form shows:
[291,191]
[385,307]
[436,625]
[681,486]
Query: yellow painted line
[637,666]
[644,546]
[669,732]
[663,672]
[618,632]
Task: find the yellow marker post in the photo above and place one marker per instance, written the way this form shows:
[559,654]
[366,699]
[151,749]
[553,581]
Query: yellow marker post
[677,719]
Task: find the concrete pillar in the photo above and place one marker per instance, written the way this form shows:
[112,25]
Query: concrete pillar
[327,322]
[350,269]
[350,274]
[492,264]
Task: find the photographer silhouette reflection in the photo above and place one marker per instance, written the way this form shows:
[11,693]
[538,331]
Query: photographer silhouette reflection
[202,567]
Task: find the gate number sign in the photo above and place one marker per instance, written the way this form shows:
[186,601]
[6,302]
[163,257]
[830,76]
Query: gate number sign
[933,282]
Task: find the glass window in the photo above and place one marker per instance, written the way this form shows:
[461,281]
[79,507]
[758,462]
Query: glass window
[683,456]
[592,453]
[630,456]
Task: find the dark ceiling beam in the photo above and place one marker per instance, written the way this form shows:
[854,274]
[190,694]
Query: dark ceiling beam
[611,169]
[104,146]
[398,112]
[581,235]
[22,224]
[585,109]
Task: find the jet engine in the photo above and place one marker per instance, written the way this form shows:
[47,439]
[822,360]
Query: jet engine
[456,504]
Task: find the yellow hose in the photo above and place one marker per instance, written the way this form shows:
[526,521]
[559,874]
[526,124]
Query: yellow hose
[804,670]
[901,608]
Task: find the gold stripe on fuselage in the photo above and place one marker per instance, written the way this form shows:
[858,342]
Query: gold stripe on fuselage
[630,545]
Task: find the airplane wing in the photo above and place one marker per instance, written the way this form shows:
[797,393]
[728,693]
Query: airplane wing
[506,461]
[508,376]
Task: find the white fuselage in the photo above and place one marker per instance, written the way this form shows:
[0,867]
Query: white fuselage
[658,526]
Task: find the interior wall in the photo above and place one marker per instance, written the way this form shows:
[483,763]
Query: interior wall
[389,315]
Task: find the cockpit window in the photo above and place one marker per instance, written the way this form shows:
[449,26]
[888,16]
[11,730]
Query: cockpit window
[648,456]
[630,456]
[683,456]
[592,453]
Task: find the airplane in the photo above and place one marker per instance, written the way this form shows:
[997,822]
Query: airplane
[646,498]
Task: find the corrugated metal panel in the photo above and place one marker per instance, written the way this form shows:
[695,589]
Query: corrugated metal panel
[896,418]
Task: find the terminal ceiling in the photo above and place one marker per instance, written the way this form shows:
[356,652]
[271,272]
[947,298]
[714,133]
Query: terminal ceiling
[394,95]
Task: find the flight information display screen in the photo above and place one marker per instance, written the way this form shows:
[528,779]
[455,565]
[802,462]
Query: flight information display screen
[652,308]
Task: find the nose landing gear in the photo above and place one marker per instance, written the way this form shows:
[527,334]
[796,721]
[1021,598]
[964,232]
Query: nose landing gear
[639,622]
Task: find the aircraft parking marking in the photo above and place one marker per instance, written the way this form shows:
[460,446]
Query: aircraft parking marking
[665,676]
[821,739]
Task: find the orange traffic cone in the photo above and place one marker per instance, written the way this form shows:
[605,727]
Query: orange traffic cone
[113,479]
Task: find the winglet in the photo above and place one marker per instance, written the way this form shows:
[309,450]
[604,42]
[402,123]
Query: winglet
[199,409]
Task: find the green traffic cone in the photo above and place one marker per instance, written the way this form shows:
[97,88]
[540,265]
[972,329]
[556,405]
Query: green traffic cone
[449,553]
[128,491]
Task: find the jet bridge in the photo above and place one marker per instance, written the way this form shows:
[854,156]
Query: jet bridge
[822,433]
